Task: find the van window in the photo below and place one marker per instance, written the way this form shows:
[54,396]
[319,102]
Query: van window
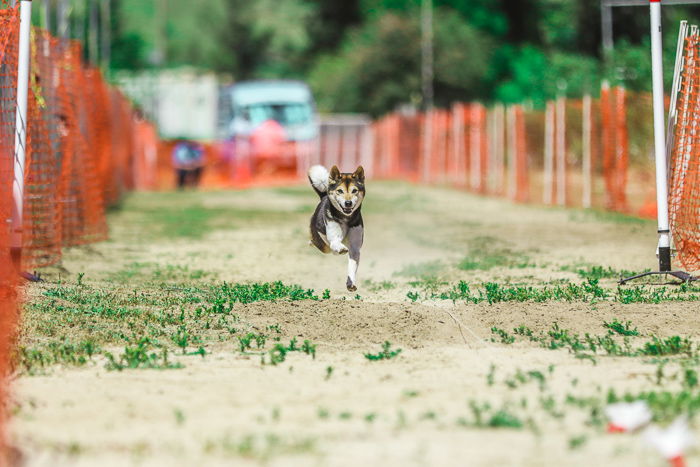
[285,114]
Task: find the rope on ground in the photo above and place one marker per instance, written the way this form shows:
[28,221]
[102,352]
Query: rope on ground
[460,326]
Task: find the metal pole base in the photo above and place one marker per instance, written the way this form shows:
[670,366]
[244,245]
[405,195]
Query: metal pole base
[16,256]
[684,276]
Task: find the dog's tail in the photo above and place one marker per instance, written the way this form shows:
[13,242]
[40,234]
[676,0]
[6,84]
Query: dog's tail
[318,176]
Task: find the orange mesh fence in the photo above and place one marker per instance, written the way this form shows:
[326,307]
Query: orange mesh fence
[9,28]
[42,227]
[504,151]
[684,192]
[85,147]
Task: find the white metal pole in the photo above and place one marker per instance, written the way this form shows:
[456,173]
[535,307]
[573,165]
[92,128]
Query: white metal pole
[106,37]
[368,149]
[586,134]
[62,19]
[93,32]
[317,145]
[492,139]
[659,137]
[352,146]
[457,140]
[21,129]
[548,153]
[427,61]
[561,150]
[670,123]
[46,20]
[475,150]
[512,158]
[499,148]
[427,144]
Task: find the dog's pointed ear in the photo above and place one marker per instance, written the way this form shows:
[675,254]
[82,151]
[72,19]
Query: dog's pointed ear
[335,173]
[359,174]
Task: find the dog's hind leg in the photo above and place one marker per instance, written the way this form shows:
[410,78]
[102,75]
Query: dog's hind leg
[355,237]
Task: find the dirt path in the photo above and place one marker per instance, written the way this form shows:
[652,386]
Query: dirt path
[339,408]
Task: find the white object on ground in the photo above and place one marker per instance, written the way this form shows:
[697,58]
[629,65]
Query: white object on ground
[672,441]
[627,416]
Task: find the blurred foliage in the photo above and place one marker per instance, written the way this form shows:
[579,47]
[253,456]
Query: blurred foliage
[365,55]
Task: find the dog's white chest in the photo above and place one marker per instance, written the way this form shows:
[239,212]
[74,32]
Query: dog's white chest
[335,232]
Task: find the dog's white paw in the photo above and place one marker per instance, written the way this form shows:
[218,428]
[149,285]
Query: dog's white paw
[338,248]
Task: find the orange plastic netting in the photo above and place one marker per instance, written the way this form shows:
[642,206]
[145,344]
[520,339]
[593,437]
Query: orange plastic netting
[86,146]
[9,28]
[684,190]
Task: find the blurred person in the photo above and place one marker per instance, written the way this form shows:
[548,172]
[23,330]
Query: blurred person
[188,162]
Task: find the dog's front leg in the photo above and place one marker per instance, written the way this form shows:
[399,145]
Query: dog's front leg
[355,237]
[334,234]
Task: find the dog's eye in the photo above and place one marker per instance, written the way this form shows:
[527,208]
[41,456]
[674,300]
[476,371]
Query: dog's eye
[340,192]
[354,190]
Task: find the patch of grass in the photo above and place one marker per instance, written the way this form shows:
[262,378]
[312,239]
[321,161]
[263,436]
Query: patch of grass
[385,354]
[486,253]
[588,346]
[156,273]
[191,222]
[278,353]
[620,328]
[598,272]
[141,356]
[484,416]
[373,286]
[665,406]
[260,447]
[503,335]
[182,316]
[427,270]
[249,293]
[38,358]
[594,215]
[524,377]
[576,442]
[673,345]
[587,291]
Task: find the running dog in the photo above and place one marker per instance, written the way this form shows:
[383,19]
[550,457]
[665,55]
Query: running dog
[336,225]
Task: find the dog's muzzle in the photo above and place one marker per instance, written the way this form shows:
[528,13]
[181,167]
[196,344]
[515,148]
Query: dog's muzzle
[347,209]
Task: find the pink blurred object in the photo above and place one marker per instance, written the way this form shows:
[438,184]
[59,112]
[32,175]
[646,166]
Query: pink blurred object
[671,442]
[267,140]
[624,417]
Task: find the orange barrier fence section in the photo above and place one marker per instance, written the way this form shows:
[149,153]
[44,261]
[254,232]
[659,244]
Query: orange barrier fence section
[526,154]
[9,29]
[589,153]
[86,146]
[684,190]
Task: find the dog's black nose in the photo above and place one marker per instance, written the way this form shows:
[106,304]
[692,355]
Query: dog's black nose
[348,204]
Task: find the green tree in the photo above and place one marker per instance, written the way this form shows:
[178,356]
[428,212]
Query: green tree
[379,67]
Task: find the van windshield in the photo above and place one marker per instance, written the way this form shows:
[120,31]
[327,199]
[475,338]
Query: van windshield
[285,114]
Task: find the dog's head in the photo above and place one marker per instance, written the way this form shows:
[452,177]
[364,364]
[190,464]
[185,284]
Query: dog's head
[346,190]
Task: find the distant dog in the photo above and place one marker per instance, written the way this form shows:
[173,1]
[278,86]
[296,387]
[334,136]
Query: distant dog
[336,225]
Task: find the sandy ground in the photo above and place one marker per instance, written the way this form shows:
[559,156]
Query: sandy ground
[227,409]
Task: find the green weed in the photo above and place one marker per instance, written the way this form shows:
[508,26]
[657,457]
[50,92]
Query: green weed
[621,329]
[588,291]
[385,354]
[141,356]
[504,336]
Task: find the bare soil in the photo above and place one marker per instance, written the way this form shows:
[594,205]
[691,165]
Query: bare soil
[340,408]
